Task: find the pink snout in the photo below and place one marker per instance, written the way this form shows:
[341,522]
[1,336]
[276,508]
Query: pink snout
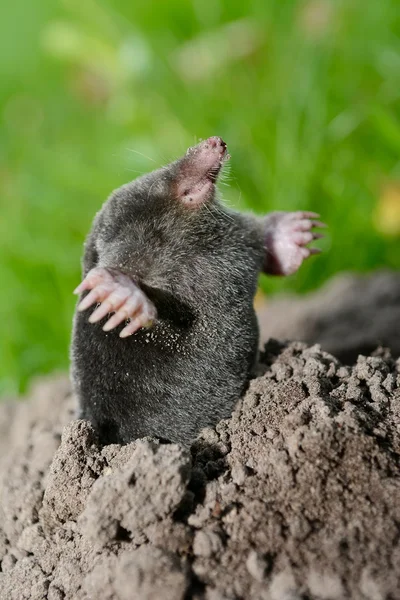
[208,154]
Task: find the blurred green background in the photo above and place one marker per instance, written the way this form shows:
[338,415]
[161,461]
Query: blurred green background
[306,94]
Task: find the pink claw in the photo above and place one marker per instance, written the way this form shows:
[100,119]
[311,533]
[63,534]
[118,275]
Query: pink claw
[286,239]
[117,294]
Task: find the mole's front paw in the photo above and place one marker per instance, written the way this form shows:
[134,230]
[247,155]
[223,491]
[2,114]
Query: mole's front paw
[117,294]
[286,240]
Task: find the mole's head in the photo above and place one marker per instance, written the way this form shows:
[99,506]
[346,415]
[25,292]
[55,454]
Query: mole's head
[188,182]
[193,177]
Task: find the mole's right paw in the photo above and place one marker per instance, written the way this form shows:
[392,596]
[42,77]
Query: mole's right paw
[117,294]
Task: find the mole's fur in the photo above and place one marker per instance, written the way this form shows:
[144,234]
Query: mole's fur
[171,274]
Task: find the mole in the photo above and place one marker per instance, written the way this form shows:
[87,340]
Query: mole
[165,335]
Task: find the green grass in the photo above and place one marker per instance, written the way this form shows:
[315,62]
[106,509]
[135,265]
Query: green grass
[306,94]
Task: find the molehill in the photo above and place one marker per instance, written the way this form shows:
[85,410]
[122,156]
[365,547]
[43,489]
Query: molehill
[296,496]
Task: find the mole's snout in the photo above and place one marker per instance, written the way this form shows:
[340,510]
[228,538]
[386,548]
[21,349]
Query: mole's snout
[209,153]
[199,170]
[216,142]
[213,147]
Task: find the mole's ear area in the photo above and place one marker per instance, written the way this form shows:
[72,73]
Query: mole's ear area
[154,186]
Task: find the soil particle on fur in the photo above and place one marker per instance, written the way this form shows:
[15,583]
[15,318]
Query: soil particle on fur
[296,496]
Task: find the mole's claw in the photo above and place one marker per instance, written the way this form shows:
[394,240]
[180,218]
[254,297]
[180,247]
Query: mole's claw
[121,315]
[114,321]
[302,237]
[304,214]
[88,300]
[138,308]
[117,293]
[305,237]
[100,312]
[110,304]
[307,252]
[318,224]
[135,324]
[286,240]
[81,287]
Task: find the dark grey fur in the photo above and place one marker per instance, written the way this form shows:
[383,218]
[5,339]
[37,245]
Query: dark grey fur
[200,268]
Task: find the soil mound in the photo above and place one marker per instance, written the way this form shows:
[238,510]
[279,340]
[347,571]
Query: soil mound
[350,315]
[296,496]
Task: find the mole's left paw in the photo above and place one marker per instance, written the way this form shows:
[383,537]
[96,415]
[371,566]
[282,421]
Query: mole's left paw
[116,293]
[286,240]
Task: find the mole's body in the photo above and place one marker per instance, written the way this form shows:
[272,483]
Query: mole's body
[165,340]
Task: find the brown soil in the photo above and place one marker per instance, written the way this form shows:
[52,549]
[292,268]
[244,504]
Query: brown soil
[350,315]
